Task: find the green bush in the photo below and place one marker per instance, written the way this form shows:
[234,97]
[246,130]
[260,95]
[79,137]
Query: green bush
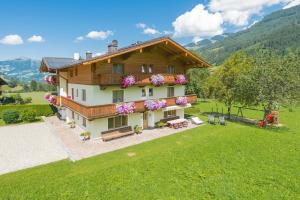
[27,100]
[40,109]
[138,129]
[28,116]
[11,116]
[160,124]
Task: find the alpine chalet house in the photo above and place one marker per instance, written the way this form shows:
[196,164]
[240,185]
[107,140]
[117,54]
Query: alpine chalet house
[138,85]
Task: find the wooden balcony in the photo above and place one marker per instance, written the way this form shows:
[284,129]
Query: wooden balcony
[142,79]
[93,112]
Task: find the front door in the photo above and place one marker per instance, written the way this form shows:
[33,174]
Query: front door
[145,121]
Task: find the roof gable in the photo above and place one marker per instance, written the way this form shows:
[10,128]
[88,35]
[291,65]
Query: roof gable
[53,64]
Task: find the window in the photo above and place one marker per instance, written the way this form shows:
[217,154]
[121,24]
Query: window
[170,91]
[143,92]
[71,73]
[77,116]
[150,69]
[83,122]
[93,67]
[150,92]
[72,93]
[76,71]
[83,95]
[118,96]
[118,69]
[77,92]
[169,113]
[171,69]
[117,122]
[73,115]
[144,68]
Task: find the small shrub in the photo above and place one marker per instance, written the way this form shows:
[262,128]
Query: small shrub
[160,124]
[18,99]
[28,115]
[71,124]
[27,100]
[11,116]
[85,135]
[138,129]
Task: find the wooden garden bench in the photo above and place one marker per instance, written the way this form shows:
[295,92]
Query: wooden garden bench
[117,133]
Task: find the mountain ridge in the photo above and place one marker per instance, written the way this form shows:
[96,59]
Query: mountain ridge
[279,31]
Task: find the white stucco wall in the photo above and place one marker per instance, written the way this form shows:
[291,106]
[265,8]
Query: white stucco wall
[96,96]
[62,87]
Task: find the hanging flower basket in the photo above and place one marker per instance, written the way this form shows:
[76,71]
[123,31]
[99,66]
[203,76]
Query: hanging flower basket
[155,104]
[125,108]
[47,96]
[52,99]
[180,79]
[157,80]
[182,101]
[50,79]
[128,81]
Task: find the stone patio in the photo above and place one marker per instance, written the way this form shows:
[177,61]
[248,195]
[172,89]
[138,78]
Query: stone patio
[77,149]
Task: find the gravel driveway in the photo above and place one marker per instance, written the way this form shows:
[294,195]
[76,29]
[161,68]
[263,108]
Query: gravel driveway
[28,145]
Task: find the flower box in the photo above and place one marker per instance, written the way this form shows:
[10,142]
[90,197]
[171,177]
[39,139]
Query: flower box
[180,79]
[155,104]
[157,80]
[128,81]
[182,101]
[125,108]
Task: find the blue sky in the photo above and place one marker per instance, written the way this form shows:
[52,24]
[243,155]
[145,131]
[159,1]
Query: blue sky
[35,29]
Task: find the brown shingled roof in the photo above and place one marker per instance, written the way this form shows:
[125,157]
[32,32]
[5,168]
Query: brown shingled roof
[124,50]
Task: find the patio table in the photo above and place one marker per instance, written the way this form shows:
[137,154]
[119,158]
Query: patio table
[176,123]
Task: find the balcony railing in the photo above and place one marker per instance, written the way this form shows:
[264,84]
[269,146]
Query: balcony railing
[93,112]
[142,79]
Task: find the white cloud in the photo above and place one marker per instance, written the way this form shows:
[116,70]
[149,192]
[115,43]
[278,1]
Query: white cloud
[141,25]
[292,3]
[167,32]
[198,23]
[147,30]
[238,12]
[98,54]
[99,35]
[150,31]
[79,38]
[36,38]
[11,40]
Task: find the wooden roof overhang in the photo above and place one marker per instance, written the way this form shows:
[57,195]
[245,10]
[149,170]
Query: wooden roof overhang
[165,43]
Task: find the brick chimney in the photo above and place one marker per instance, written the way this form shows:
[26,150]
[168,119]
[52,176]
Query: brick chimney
[88,55]
[113,46]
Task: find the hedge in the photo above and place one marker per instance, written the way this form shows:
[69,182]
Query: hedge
[40,109]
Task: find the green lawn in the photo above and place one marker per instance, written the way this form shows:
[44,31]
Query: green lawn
[37,97]
[209,162]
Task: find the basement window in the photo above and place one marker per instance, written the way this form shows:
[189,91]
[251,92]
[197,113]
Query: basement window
[83,122]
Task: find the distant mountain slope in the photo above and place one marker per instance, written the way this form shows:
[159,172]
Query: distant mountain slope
[24,69]
[279,31]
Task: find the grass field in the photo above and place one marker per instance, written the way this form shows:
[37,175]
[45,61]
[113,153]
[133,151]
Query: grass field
[209,162]
[37,97]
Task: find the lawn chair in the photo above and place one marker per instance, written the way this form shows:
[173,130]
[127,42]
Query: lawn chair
[211,119]
[196,120]
[222,120]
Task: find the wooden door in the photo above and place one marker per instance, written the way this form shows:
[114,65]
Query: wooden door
[145,120]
